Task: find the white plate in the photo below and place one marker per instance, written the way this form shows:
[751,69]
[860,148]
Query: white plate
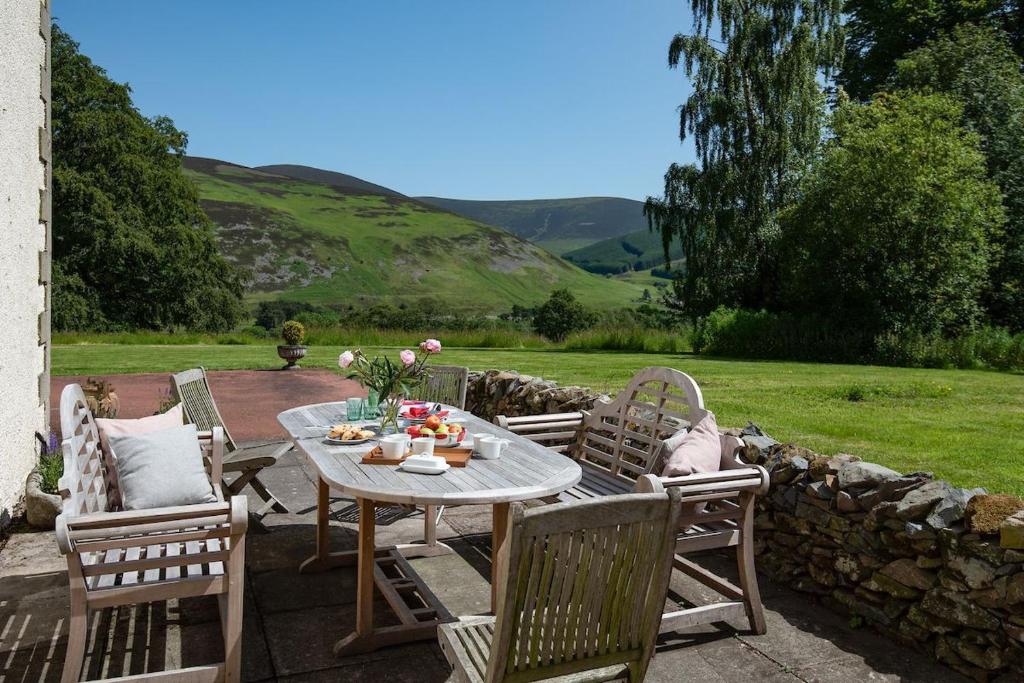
[420,469]
[354,442]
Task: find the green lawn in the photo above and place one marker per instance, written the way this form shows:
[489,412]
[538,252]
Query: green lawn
[962,425]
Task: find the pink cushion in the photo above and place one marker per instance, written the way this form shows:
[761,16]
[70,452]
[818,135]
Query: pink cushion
[695,451]
[174,417]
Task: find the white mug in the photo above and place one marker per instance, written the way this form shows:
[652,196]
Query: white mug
[423,444]
[394,445]
[490,447]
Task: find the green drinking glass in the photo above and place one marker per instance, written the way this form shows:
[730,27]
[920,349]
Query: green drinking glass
[354,409]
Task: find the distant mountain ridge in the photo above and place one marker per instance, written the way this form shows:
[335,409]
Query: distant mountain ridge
[560,225]
[332,178]
[340,243]
[585,230]
[640,250]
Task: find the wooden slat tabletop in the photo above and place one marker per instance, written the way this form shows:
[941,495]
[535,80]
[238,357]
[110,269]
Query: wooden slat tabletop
[525,470]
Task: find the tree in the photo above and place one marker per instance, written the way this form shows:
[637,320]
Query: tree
[891,230]
[755,114]
[560,316]
[132,247]
[977,66]
[880,32]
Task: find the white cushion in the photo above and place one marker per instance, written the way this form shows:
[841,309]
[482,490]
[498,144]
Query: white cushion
[109,427]
[161,469]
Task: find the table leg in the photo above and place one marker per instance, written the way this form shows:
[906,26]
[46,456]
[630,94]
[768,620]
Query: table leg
[322,559]
[499,529]
[364,580]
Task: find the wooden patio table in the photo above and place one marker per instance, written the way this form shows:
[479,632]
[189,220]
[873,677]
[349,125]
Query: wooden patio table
[525,471]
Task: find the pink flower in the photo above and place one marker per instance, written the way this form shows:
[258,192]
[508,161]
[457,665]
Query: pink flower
[408,357]
[431,346]
[345,359]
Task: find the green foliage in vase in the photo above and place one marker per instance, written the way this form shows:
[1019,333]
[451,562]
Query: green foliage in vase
[880,32]
[385,377]
[977,66]
[560,316]
[293,333]
[892,228]
[755,113]
[132,247]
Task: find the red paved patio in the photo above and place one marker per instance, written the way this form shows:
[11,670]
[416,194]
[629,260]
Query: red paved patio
[249,400]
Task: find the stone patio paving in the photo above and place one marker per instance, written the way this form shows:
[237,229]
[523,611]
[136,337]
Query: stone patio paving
[292,620]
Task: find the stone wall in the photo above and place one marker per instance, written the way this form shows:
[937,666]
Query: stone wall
[933,566]
[497,392]
[24,247]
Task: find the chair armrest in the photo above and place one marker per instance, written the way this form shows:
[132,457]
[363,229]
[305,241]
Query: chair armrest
[213,441]
[149,527]
[751,478]
[538,422]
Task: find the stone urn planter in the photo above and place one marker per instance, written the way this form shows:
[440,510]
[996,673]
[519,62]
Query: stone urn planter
[41,508]
[292,354]
[293,334]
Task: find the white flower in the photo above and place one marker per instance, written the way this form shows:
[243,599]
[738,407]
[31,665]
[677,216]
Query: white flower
[345,359]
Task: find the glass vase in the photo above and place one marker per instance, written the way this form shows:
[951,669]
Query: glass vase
[389,408]
[372,403]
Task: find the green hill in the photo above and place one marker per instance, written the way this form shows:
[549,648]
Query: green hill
[324,244]
[558,225]
[639,250]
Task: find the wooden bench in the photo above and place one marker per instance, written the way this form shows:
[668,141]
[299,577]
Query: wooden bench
[118,557]
[619,444]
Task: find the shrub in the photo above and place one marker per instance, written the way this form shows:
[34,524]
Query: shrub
[51,465]
[293,333]
[561,315]
[759,334]
[270,315]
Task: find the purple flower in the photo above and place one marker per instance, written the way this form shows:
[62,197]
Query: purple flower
[345,359]
[431,346]
[408,357]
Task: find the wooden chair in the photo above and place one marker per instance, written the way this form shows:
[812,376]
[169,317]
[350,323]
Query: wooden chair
[192,389]
[117,557]
[580,592]
[620,441]
[445,384]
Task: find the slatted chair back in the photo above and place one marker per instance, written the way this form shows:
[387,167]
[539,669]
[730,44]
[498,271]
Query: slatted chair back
[581,587]
[444,384]
[554,431]
[192,389]
[89,483]
[624,436]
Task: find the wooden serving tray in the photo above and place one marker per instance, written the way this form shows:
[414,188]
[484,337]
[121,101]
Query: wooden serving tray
[456,457]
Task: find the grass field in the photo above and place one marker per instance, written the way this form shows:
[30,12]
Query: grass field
[962,425]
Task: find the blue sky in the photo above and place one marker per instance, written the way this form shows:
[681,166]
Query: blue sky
[457,98]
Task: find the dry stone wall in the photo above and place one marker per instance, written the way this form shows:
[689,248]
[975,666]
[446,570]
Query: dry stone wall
[497,392]
[936,567]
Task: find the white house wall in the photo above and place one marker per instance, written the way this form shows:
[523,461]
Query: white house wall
[24,241]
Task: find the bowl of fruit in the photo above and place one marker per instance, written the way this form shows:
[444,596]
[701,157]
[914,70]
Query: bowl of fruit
[446,433]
